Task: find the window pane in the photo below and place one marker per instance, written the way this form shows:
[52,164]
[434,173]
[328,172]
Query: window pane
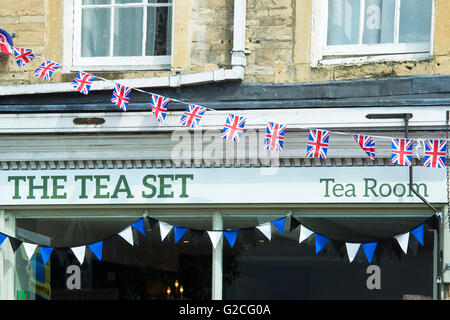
[95,32]
[415,21]
[128,1]
[343,22]
[126,272]
[159,1]
[128,32]
[159,31]
[88,2]
[284,269]
[379,21]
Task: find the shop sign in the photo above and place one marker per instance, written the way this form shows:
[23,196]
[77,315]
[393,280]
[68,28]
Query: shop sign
[222,185]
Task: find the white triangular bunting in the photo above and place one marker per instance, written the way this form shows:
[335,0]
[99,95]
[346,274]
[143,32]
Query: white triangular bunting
[403,240]
[164,229]
[352,249]
[127,235]
[79,253]
[266,229]
[29,249]
[215,236]
[304,233]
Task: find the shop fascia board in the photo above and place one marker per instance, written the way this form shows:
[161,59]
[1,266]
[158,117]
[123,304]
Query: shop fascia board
[257,119]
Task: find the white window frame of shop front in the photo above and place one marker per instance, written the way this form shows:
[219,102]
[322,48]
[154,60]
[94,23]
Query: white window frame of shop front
[72,42]
[323,54]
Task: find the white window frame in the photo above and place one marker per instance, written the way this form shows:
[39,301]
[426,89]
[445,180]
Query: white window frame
[323,54]
[73,61]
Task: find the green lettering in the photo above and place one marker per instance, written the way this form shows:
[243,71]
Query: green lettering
[350,192]
[396,192]
[163,186]
[126,188]
[43,187]
[367,187]
[326,186]
[417,188]
[57,187]
[149,185]
[183,178]
[99,186]
[338,188]
[83,179]
[17,180]
[388,189]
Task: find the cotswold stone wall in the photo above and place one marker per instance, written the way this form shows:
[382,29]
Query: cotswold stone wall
[278,42]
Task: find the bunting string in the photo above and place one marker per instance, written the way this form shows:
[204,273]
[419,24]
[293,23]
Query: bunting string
[266,229]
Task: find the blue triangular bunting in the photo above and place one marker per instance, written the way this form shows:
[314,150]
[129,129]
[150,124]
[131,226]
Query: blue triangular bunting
[279,224]
[2,238]
[96,248]
[321,241]
[369,250]
[418,233]
[45,253]
[139,226]
[231,236]
[178,233]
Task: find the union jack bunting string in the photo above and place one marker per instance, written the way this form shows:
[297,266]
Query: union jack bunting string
[401,152]
[367,144]
[435,153]
[45,71]
[274,138]
[23,56]
[5,46]
[192,116]
[121,96]
[159,107]
[317,144]
[83,82]
[234,127]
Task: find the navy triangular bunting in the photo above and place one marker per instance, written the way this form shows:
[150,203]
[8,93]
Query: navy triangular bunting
[196,236]
[294,224]
[15,243]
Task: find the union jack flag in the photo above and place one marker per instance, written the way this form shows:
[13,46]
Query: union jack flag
[23,56]
[317,144]
[192,116]
[5,43]
[401,152]
[45,71]
[234,127]
[121,96]
[274,136]
[159,107]
[83,82]
[435,153]
[367,144]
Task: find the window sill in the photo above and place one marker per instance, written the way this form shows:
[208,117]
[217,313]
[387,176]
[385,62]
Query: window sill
[114,68]
[358,60]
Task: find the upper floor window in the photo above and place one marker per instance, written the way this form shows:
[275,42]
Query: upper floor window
[131,34]
[355,30]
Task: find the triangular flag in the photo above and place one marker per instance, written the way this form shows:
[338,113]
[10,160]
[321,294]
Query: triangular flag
[178,233]
[369,250]
[231,236]
[2,238]
[29,249]
[152,222]
[352,249]
[127,235]
[215,236]
[266,229]
[15,243]
[96,248]
[304,233]
[164,229]
[248,235]
[139,226]
[279,224]
[321,241]
[62,255]
[294,224]
[403,241]
[418,233]
[196,236]
[45,253]
[79,253]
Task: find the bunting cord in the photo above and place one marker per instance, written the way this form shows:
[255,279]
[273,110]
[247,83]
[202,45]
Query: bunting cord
[211,109]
